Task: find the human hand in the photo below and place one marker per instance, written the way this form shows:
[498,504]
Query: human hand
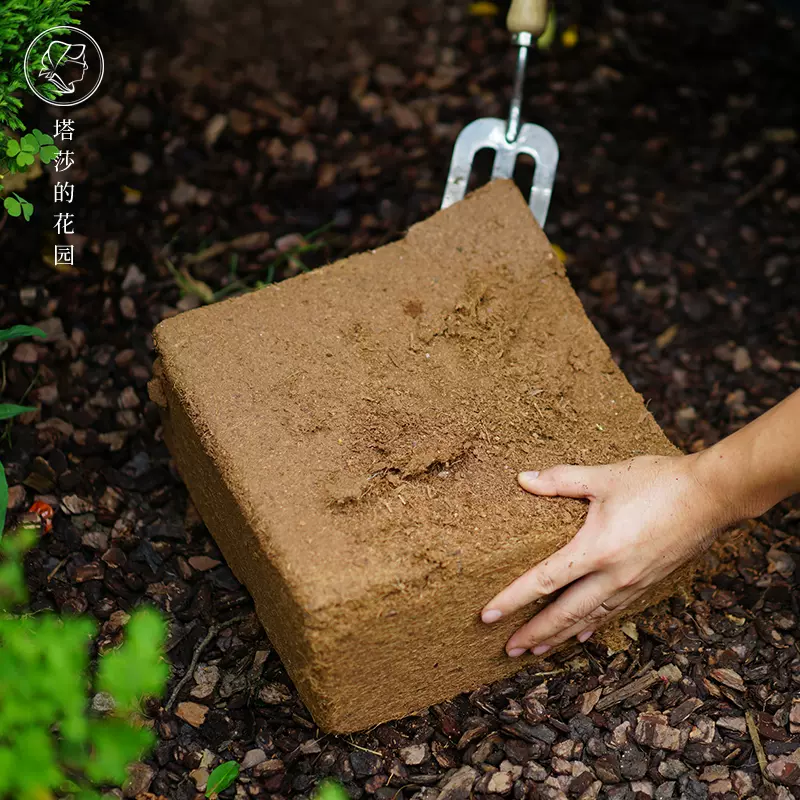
[647,517]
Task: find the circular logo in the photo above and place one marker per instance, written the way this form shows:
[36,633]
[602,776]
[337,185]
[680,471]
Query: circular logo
[64,66]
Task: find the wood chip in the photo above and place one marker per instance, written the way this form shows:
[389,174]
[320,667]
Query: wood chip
[589,700]
[685,710]
[203,563]
[72,504]
[728,677]
[193,713]
[630,689]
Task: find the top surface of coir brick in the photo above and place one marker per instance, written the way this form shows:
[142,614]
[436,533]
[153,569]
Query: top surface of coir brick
[371,416]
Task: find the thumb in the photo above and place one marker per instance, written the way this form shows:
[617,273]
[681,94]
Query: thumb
[565,481]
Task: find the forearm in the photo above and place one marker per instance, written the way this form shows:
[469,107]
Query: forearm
[758,466]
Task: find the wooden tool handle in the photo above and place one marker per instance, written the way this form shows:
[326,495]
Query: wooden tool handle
[527,16]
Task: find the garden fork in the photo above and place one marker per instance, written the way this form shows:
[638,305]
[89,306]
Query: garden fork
[509,139]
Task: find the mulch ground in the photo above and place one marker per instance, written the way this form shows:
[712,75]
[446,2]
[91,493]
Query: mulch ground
[220,146]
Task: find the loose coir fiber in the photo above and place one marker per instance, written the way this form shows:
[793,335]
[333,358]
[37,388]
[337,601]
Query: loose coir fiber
[351,438]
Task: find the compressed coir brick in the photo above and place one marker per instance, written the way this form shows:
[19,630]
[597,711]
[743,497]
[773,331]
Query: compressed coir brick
[351,438]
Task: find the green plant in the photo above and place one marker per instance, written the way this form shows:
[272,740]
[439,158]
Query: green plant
[50,744]
[21,21]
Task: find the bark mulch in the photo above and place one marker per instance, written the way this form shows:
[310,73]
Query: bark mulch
[220,147]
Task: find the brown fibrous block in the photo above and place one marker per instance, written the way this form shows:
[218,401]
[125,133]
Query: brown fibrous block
[352,436]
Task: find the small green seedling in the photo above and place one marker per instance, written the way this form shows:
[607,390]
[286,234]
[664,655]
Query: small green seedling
[17,205]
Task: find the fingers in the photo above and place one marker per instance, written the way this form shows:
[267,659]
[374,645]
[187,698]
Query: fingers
[559,630]
[583,635]
[580,606]
[565,481]
[561,568]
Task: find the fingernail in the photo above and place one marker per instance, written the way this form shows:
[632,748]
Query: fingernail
[516,652]
[540,649]
[491,615]
[582,637]
[524,477]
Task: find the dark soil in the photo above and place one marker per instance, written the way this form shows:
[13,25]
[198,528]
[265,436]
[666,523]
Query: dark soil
[677,202]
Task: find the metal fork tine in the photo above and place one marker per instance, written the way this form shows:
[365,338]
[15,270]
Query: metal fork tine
[539,143]
[489,133]
[469,141]
[504,162]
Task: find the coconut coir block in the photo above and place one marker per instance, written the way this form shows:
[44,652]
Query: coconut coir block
[351,438]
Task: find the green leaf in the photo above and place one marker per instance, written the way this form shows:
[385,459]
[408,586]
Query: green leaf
[48,153]
[12,148]
[19,331]
[27,209]
[33,756]
[330,789]
[25,159]
[13,589]
[29,144]
[115,744]
[25,536]
[69,785]
[42,138]
[221,778]
[9,410]
[3,499]
[13,206]
[136,669]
